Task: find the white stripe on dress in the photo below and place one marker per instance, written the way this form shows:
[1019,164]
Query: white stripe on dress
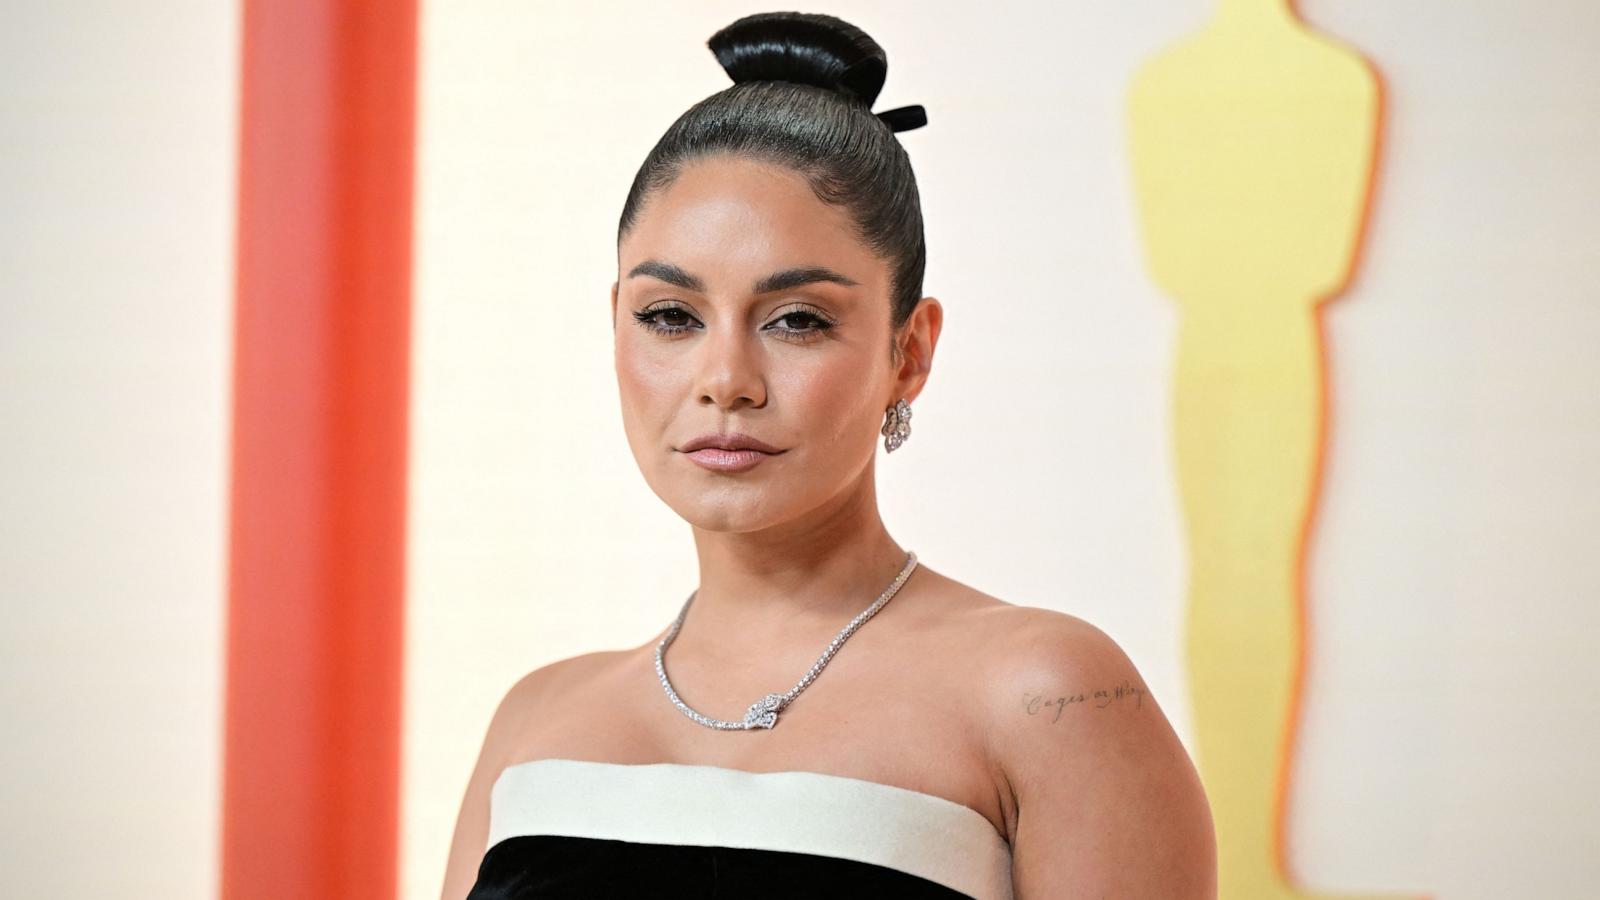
[800,812]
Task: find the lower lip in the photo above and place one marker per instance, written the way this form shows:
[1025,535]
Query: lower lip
[718,460]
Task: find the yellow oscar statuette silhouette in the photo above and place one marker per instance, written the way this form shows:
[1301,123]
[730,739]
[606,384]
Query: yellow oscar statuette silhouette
[1252,144]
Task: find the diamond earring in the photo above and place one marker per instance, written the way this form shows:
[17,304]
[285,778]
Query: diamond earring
[896,425]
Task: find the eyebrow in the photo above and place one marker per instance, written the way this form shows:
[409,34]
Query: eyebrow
[777,281]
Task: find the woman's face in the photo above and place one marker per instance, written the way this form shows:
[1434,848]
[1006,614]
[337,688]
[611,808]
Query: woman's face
[745,304]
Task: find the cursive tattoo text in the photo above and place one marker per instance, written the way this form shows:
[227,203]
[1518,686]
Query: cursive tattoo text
[1037,701]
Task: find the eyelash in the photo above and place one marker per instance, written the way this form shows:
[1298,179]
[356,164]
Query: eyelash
[647,319]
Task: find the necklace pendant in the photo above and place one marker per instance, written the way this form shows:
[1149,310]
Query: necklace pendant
[764,712]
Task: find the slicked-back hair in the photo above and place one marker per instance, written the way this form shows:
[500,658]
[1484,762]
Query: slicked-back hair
[804,85]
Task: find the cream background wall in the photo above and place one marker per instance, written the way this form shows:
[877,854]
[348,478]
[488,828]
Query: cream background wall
[117,130]
[1450,720]
[1451,715]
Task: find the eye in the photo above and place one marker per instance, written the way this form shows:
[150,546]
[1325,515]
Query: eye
[665,319]
[802,324]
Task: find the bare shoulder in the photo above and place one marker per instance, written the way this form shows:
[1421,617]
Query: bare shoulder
[1023,642]
[1104,798]
[1036,650]
[514,716]
[524,700]
[1042,665]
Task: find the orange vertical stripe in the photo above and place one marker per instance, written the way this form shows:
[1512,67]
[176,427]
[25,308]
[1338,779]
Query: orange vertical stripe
[321,344]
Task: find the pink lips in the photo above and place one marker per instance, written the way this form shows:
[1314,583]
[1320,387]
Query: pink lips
[731,452]
[719,460]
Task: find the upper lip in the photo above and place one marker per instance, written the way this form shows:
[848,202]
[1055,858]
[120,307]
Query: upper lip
[733,440]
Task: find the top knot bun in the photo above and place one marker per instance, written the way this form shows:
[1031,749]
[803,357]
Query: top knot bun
[807,48]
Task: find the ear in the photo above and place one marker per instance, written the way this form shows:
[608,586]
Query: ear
[614,285]
[918,338]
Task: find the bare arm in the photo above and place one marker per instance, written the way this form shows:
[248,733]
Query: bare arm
[1108,802]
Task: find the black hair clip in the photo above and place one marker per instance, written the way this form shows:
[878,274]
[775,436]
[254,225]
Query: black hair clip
[904,118]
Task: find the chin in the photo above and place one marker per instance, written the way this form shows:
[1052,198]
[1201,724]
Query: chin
[723,515]
[732,508]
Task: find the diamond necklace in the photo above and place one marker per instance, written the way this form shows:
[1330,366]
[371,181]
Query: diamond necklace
[764,712]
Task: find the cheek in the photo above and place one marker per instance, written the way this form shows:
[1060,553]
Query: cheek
[645,382]
[840,412]
[644,388]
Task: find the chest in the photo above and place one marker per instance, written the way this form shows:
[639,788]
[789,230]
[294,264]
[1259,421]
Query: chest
[881,718]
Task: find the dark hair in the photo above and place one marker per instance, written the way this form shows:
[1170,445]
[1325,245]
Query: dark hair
[804,84]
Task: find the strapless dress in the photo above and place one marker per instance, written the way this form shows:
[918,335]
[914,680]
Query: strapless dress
[561,828]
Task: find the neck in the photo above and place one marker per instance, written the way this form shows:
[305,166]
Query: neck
[811,574]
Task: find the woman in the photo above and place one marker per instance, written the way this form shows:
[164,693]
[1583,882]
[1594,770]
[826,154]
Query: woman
[805,736]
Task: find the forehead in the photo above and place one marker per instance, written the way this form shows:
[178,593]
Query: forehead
[731,220]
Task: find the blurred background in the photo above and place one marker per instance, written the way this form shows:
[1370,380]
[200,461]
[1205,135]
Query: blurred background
[379,430]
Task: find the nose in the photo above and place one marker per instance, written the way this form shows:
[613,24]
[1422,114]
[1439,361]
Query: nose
[731,372]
